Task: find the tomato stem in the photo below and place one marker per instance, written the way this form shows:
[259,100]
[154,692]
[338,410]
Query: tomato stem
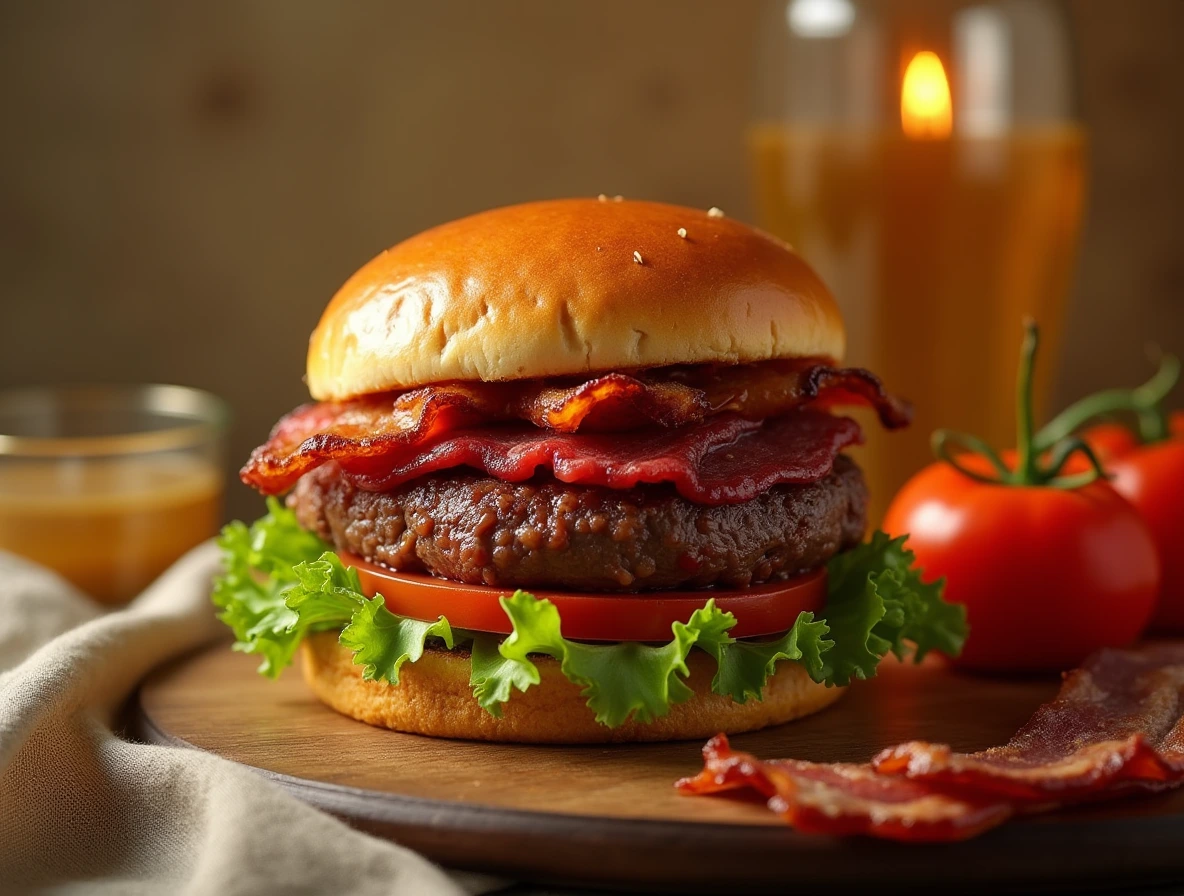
[1145,402]
[1031,448]
[1061,452]
[944,440]
[1025,471]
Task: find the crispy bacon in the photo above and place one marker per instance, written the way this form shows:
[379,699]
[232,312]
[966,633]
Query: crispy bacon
[1116,721]
[1115,727]
[614,401]
[843,798]
[393,425]
[772,387]
[724,460]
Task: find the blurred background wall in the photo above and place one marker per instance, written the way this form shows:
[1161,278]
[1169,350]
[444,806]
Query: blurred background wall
[183,186]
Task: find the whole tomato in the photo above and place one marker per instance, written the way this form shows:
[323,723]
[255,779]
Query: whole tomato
[1110,440]
[1151,478]
[1049,560]
[1145,459]
[1047,575]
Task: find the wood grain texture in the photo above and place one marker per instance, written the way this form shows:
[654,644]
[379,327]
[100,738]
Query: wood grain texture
[608,814]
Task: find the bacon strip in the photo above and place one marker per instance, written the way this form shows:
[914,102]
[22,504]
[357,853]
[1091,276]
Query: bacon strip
[1116,721]
[724,460]
[392,425]
[772,387]
[843,798]
[1116,726]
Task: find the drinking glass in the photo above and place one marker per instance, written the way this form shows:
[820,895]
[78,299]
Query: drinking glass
[108,485]
[925,157]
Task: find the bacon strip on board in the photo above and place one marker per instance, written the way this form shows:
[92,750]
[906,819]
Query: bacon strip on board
[1118,720]
[844,798]
[1116,726]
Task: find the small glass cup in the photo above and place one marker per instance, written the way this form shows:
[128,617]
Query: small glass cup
[108,485]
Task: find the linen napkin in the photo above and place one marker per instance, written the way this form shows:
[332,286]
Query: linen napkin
[82,809]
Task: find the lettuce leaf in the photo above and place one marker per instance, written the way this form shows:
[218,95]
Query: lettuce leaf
[259,566]
[281,582]
[328,594]
[618,680]
[744,667]
[494,677]
[877,603]
[382,642]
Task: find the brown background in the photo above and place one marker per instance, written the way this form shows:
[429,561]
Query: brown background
[182,188]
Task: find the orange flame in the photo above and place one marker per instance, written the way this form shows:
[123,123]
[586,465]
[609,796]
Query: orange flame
[925,108]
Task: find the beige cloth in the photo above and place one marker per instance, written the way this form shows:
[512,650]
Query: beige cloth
[83,809]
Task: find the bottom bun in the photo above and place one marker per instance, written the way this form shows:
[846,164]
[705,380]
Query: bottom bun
[433,697]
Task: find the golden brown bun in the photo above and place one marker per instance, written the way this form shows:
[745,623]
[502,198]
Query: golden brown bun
[433,697]
[554,288]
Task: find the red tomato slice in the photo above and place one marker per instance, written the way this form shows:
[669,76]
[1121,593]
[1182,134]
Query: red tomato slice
[761,610]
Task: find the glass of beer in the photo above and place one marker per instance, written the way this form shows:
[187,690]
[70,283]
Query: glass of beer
[923,155]
[108,485]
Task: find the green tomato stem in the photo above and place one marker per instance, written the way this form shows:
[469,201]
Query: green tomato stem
[1144,401]
[1030,469]
[943,442]
[1061,452]
[1026,472]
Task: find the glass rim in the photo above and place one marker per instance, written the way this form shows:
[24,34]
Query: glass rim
[200,416]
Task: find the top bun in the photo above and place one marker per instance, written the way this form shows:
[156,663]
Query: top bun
[568,287]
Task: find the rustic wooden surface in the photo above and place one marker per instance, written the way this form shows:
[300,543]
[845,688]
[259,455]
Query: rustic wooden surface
[609,814]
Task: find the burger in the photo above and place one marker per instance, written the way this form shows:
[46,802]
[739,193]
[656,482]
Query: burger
[574,473]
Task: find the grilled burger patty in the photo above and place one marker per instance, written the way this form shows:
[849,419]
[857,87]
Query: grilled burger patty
[549,534]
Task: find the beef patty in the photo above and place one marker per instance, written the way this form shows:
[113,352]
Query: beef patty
[549,534]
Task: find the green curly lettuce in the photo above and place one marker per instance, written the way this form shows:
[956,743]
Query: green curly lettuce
[258,567]
[877,603]
[617,680]
[743,667]
[281,583]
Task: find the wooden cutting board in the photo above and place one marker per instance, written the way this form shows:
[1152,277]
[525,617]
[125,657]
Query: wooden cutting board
[608,814]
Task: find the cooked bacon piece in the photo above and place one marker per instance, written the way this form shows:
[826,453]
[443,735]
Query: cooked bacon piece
[1117,721]
[844,798]
[392,425]
[614,401]
[724,460]
[371,426]
[770,388]
[1116,726]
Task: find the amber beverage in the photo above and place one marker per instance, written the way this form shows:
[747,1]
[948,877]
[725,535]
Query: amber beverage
[924,156]
[108,486]
[936,250]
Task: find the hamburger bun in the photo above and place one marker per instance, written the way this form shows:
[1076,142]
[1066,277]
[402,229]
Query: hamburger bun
[434,697]
[567,287]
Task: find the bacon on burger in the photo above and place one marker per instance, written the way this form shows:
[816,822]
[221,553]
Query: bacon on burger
[574,473]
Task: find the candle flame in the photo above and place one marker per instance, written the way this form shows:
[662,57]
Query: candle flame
[925,108]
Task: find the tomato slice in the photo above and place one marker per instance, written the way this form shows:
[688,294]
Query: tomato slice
[761,610]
